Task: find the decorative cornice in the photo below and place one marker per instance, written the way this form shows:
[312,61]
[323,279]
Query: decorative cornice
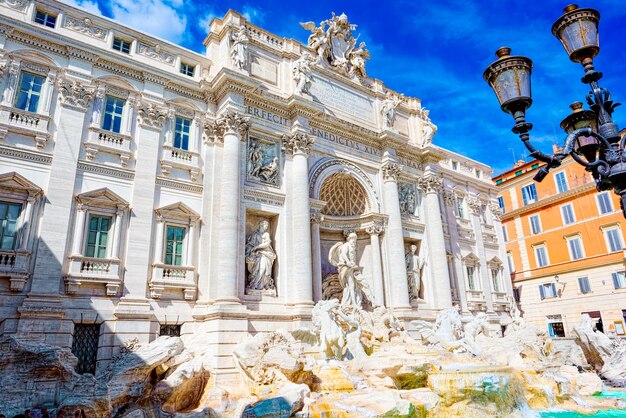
[19,5]
[233,123]
[152,116]
[180,185]
[496,211]
[391,171]
[375,229]
[38,43]
[74,94]
[430,183]
[262,196]
[107,171]
[117,68]
[298,143]
[25,155]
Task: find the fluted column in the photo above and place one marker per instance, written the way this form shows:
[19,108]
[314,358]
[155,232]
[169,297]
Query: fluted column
[234,127]
[298,145]
[449,203]
[431,185]
[394,238]
[26,224]
[316,256]
[377,269]
[475,207]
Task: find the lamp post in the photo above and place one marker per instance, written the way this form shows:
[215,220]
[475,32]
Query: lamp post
[593,139]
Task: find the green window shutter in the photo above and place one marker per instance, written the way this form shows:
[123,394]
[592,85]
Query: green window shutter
[9,215]
[97,236]
[174,245]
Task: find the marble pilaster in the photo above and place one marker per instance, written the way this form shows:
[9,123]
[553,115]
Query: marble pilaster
[377,269]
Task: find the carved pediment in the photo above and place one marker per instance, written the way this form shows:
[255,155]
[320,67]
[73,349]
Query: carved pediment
[102,198]
[471,259]
[17,183]
[495,262]
[178,211]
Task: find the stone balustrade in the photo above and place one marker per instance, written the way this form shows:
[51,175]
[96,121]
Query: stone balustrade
[93,270]
[181,159]
[100,140]
[165,276]
[25,123]
[15,265]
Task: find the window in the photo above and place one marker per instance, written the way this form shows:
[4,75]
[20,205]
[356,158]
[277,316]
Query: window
[567,213]
[477,174]
[181,133]
[561,182]
[97,236]
[46,19]
[170,330]
[186,69]
[575,247]
[495,280]
[9,214]
[29,92]
[471,277]
[536,165]
[455,165]
[499,181]
[583,285]
[509,259]
[529,194]
[501,203]
[619,279]
[613,237]
[174,245]
[113,110]
[604,203]
[541,255]
[535,224]
[519,173]
[121,45]
[555,327]
[85,347]
[547,290]
[504,233]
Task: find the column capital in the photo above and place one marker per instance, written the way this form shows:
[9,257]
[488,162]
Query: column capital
[391,171]
[298,143]
[430,183]
[232,122]
[496,211]
[316,217]
[449,198]
[152,116]
[374,229]
[474,205]
[75,94]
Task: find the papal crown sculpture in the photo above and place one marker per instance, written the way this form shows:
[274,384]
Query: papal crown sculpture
[336,46]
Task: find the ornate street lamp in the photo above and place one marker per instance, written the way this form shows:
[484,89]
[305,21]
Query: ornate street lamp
[593,139]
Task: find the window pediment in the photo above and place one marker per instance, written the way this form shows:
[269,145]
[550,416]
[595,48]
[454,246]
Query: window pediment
[102,198]
[18,184]
[178,212]
[471,260]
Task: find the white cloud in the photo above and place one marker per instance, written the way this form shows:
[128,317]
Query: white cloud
[90,6]
[253,15]
[205,21]
[155,17]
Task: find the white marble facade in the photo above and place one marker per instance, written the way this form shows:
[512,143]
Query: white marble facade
[275,166]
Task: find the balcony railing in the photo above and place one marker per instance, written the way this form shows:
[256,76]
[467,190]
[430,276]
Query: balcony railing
[166,276]
[26,123]
[100,140]
[93,270]
[15,265]
[181,159]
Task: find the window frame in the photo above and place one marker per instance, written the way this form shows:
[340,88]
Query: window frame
[542,290]
[605,232]
[511,264]
[588,285]
[571,239]
[183,254]
[46,18]
[17,223]
[30,93]
[109,233]
[539,226]
[176,133]
[501,203]
[122,43]
[524,199]
[562,209]
[609,201]
[621,278]
[557,184]
[108,97]
[543,247]
[187,69]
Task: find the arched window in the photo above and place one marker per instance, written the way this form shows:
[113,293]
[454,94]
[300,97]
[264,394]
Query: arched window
[344,196]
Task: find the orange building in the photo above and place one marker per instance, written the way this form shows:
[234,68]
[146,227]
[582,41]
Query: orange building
[564,244]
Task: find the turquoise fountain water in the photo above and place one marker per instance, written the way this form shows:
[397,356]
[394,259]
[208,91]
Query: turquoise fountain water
[611,413]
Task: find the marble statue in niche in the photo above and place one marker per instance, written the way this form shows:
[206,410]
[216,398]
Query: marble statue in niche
[414,269]
[343,256]
[302,73]
[388,110]
[408,198]
[239,48]
[263,161]
[260,258]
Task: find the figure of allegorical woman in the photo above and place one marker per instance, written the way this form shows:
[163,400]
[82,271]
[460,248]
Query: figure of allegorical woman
[260,258]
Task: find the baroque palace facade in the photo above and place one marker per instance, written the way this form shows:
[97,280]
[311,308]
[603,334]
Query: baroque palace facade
[146,189]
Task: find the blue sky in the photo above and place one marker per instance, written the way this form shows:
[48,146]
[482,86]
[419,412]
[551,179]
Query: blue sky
[436,50]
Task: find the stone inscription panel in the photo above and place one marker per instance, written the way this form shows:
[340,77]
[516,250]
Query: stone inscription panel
[336,97]
[263,69]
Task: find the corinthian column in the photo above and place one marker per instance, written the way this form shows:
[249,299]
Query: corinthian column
[394,237]
[234,127]
[299,144]
[439,275]
[377,270]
